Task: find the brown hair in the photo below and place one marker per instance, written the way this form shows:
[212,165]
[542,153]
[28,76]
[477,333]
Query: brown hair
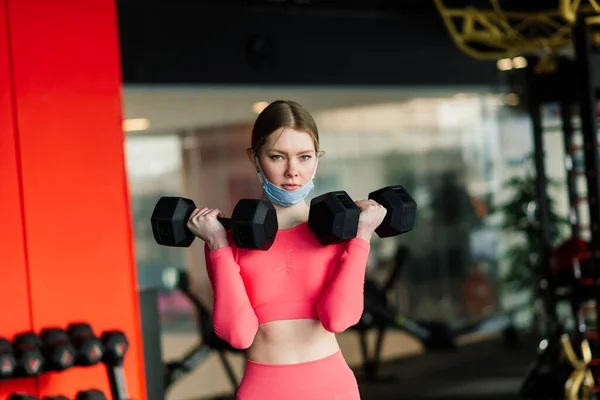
[283,114]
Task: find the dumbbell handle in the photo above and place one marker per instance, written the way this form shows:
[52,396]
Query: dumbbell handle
[226,222]
[117,382]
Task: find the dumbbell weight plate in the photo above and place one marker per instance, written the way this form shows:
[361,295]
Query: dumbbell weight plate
[22,396]
[57,351]
[169,221]
[87,345]
[255,224]
[90,394]
[401,210]
[333,217]
[28,356]
[7,359]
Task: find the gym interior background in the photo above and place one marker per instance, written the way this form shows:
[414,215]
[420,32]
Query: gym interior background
[396,103]
[469,141]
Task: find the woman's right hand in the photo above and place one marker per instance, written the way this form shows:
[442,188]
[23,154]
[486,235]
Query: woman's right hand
[204,224]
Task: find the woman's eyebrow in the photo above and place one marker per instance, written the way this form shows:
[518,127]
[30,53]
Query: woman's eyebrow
[299,152]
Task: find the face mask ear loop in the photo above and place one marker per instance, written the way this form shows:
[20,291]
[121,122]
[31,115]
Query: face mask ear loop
[261,176]
[257,164]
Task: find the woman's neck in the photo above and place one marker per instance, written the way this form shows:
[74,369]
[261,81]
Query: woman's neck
[288,217]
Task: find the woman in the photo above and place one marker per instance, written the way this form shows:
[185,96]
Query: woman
[285,305]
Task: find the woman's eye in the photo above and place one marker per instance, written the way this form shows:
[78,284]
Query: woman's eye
[275,158]
[305,158]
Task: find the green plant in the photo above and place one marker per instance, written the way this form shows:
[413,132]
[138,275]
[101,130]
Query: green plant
[520,221]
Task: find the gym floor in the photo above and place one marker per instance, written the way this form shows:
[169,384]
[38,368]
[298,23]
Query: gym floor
[487,370]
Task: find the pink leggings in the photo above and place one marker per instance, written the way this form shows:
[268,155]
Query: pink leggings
[328,378]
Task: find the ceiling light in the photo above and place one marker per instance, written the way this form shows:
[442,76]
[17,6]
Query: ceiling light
[519,62]
[259,106]
[136,124]
[504,64]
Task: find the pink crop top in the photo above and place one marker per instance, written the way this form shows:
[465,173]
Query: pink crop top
[296,278]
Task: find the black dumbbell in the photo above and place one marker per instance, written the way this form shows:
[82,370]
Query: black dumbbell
[28,355]
[7,359]
[90,394]
[253,223]
[333,216]
[88,347]
[57,350]
[57,397]
[115,347]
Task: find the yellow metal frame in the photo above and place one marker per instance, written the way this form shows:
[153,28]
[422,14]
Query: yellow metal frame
[581,379]
[505,30]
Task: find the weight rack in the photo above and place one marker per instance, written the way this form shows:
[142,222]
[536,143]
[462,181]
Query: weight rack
[586,87]
[582,349]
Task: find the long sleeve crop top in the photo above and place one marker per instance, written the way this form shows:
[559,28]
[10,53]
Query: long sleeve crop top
[296,278]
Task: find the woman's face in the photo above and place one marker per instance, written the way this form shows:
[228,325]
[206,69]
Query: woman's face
[288,158]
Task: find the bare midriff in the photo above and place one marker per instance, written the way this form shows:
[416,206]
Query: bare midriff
[291,342]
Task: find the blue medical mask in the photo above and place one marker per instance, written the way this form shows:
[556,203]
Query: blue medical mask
[281,196]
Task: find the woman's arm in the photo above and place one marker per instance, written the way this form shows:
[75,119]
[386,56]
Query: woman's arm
[341,303]
[234,319]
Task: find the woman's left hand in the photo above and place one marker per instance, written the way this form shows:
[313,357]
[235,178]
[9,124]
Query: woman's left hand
[371,216]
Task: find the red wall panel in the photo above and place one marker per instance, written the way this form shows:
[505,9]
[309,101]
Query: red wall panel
[77,211]
[15,315]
